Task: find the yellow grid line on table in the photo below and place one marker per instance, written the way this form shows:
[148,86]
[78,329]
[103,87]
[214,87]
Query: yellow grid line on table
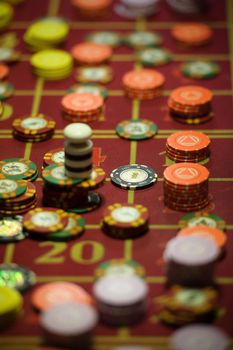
[230,36]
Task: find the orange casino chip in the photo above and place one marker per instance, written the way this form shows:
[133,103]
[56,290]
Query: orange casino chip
[188,141]
[83,102]
[56,293]
[191,95]
[192,33]
[91,53]
[144,79]
[91,4]
[217,235]
[186,174]
[4,71]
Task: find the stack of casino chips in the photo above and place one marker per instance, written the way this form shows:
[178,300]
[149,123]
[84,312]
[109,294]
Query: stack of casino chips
[46,33]
[136,8]
[186,186]
[118,267]
[52,64]
[188,146]
[191,260]
[125,221]
[82,107]
[193,336]
[92,54]
[192,34]
[181,305]
[11,306]
[190,104]
[91,8]
[143,84]
[6,14]
[78,151]
[187,7]
[35,128]
[121,300]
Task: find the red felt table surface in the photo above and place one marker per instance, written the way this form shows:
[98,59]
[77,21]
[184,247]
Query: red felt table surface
[76,261]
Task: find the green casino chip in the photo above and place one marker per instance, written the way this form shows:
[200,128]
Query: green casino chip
[10,188]
[11,229]
[74,228]
[200,69]
[18,168]
[120,267]
[140,129]
[54,174]
[202,218]
[154,57]
[139,40]
[89,88]
[106,38]
[16,277]
[6,90]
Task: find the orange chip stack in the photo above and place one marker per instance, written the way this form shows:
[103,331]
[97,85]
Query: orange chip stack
[192,34]
[144,84]
[186,186]
[92,8]
[190,104]
[188,146]
[91,53]
[82,107]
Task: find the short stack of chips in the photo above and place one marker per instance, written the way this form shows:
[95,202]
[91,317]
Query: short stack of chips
[191,260]
[193,336]
[143,84]
[33,128]
[111,39]
[192,34]
[133,9]
[11,306]
[78,150]
[91,8]
[188,146]
[46,33]
[190,104]
[92,54]
[125,221]
[121,300]
[153,57]
[202,218]
[11,229]
[6,14]
[182,305]
[17,277]
[186,186]
[142,40]
[118,267]
[95,89]
[52,64]
[200,70]
[82,107]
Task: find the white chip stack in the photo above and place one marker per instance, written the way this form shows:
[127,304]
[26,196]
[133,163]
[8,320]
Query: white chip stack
[78,151]
[136,8]
[121,300]
[191,260]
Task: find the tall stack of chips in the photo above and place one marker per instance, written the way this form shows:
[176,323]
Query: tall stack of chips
[78,151]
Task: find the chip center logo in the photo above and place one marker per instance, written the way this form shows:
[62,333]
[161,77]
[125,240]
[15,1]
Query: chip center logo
[34,123]
[7,185]
[188,140]
[14,168]
[191,95]
[82,102]
[186,173]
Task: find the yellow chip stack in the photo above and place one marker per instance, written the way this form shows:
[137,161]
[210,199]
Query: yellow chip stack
[11,304]
[46,33]
[6,14]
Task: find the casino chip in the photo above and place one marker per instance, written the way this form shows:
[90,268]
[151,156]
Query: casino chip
[125,221]
[96,74]
[33,128]
[18,169]
[192,34]
[140,129]
[73,229]
[140,40]
[200,69]
[8,54]
[54,174]
[91,53]
[91,9]
[6,90]
[120,267]
[202,218]
[153,57]
[133,9]
[188,7]
[105,38]
[94,89]
[56,156]
[11,229]
[10,188]
[10,307]
[91,202]
[133,176]
[45,220]
[6,14]
[51,294]
[17,277]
